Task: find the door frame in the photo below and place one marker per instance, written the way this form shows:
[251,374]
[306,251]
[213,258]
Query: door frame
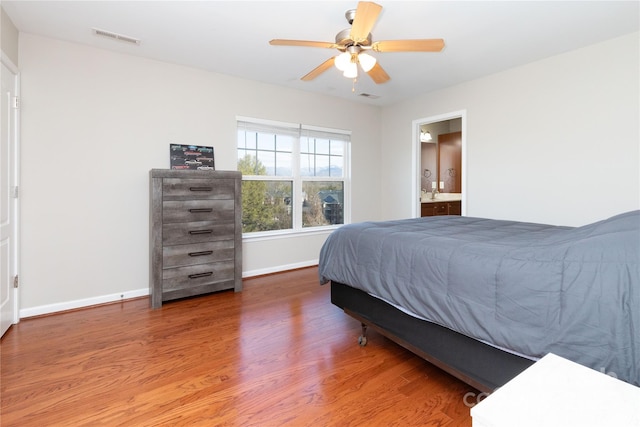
[15,184]
[417,156]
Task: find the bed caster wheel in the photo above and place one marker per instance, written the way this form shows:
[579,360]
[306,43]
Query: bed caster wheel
[362,340]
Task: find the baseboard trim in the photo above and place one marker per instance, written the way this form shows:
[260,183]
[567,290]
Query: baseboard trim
[278,269]
[81,303]
[121,296]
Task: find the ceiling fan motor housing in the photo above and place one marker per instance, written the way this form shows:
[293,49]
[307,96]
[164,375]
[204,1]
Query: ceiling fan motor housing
[343,40]
[350,15]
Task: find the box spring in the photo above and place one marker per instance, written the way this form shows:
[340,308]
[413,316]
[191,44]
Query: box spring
[480,365]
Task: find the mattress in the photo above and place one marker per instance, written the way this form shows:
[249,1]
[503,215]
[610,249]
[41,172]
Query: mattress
[528,288]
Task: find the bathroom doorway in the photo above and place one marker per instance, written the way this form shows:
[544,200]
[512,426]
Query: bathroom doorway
[439,158]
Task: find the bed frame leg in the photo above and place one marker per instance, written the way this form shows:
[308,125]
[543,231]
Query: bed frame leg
[362,339]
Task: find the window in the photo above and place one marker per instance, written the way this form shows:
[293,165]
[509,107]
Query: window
[294,177]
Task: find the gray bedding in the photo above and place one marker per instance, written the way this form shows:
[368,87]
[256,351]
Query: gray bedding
[528,288]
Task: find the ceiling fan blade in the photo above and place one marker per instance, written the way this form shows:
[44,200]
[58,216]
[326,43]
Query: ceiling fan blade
[424,45]
[366,17]
[319,70]
[378,74]
[303,43]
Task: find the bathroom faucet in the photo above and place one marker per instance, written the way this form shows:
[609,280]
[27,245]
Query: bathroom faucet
[434,193]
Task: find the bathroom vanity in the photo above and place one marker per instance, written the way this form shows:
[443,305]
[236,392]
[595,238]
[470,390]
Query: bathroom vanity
[442,204]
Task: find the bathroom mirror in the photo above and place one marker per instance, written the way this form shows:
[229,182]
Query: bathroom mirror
[441,156]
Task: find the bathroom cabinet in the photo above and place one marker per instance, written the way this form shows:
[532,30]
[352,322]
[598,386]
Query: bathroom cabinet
[441,208]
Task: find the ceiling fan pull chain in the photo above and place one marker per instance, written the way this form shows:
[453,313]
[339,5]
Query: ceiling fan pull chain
[353,86]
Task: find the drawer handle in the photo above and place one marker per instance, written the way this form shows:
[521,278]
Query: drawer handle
[199,275]
[202,253]
[201,210]
[192,232]
[200,188]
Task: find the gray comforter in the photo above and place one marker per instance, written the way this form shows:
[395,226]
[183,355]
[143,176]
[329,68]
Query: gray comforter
[528,288]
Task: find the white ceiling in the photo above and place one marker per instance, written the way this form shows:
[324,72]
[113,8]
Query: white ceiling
[232,37]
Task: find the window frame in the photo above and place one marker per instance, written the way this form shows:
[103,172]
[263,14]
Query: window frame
[297,179]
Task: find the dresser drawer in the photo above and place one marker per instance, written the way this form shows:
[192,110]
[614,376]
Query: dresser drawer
[198,275]
[181,233]
[198,210]
[189,189]
[197,253]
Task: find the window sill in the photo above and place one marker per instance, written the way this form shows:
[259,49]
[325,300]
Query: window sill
[284,234]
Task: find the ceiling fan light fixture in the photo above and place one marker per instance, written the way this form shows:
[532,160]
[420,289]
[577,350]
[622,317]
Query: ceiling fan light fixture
[342,61]
[351,71]
[367,61]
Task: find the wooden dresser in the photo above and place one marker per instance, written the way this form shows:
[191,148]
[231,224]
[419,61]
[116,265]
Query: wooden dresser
[195,233]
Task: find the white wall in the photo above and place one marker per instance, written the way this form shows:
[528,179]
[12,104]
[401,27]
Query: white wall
[555,141]
[95,122]
[8,37]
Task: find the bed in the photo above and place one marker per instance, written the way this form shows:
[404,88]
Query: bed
[484,299]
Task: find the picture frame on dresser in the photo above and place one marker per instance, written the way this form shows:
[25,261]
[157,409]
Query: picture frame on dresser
[195,230]
[191,157]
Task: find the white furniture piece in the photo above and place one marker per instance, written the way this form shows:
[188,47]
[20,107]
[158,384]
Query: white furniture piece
[557,392]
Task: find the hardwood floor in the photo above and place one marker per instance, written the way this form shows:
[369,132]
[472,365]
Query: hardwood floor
[277,354]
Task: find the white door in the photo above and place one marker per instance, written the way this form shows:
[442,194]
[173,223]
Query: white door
[8,200]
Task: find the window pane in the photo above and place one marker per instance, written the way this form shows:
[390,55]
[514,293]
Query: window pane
[323,203]
[306,145]
[322,165]
[322,157]
[266,141]
[246,139]
[284,143]
[337,166]
[307,162]
[241,155]
[322,146]
[249,166]
[283,164]
[337,148]
[268,161]
[266,205]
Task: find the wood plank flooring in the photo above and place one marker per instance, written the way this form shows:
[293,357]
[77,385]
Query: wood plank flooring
[277,354]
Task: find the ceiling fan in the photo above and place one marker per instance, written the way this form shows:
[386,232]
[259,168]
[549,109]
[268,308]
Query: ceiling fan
[354,42]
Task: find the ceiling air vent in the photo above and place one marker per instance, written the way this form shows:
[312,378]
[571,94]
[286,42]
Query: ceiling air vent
[115,36]
[368,95]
